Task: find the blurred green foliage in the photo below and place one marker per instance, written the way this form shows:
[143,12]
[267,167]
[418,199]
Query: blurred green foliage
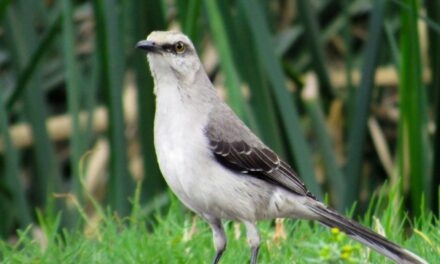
[71,58]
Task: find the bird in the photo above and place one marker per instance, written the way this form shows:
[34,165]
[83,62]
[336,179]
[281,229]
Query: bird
[218,168]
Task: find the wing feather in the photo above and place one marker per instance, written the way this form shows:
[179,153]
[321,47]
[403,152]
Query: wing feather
[244,158]
[236,147]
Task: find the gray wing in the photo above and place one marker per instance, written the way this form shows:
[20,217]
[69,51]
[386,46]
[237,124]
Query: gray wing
[238,149]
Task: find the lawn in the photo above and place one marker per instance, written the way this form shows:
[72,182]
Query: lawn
[175,235]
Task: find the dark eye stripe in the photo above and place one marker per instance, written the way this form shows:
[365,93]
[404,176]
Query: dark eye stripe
[170,48]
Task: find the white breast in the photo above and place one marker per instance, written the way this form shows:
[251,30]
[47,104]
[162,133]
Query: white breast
[179,141]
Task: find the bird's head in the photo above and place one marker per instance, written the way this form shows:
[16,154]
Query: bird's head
[170,53]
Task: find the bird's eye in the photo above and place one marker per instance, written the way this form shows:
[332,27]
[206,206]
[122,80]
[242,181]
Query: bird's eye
[179,47]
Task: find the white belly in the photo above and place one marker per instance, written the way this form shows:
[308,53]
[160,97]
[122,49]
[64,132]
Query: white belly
[180,146]
[188,165]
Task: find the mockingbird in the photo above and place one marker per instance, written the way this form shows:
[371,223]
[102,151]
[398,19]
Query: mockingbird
[217,167]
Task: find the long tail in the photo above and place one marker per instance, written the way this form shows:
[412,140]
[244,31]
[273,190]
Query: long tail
[331,218]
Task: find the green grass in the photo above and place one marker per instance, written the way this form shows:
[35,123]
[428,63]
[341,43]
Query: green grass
[177,236]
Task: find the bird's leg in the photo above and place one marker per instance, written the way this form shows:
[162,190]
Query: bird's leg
[218,235]
[253,239]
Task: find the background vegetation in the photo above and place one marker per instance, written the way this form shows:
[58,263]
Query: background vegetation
[346,91]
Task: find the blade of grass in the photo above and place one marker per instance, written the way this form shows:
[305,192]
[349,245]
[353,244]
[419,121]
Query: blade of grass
[156,15]
[246,64]
[293,73]
[285,39]
[407,6]
[334,174]
[334,27]
[182,12]
[287,107]
[227,27]
[393,45]
[89,96]
[358,127]
[233,83]
[260,99]
[433,9]
[313,37]
[74,86]
[120,187]
[109,48]
[3,7]
[29,70]
[11,172]
[21,33]
[348,56]
[191,18]
[413,142]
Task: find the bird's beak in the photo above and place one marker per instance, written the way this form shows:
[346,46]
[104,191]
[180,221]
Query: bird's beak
[148,46]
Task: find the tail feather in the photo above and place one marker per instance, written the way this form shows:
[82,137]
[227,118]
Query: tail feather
[366,236]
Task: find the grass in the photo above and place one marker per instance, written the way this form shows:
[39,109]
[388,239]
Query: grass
[175,235]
